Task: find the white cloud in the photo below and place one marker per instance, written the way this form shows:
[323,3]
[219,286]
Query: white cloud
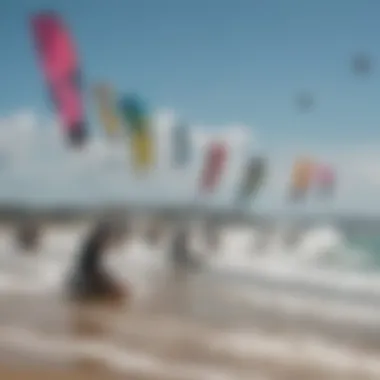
[37,166]
[40,168]
[358,177]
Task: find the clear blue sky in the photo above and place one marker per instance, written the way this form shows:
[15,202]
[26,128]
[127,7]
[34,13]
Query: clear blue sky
[215,61]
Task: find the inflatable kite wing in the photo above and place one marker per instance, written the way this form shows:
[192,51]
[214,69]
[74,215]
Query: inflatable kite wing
[59,63]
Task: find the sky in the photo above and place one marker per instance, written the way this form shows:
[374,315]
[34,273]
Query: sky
[227,68]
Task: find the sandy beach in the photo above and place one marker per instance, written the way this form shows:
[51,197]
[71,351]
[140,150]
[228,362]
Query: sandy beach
[179,330]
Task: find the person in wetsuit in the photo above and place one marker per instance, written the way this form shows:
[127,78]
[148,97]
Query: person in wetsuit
[28,236]
[90,280]
[181,254]
[179,249]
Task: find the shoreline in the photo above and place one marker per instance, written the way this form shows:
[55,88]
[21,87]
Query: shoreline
[168,335]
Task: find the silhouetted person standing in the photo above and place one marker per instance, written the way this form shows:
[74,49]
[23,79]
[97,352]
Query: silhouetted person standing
[90,279]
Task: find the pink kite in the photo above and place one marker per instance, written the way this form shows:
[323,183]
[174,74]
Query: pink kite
[61,71]
[214,163]
[325,179]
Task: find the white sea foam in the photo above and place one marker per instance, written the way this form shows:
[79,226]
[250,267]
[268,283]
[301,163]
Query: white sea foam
[138,263]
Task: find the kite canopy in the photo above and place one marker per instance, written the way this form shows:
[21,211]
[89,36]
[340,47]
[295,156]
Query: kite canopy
[59,64]
[325,180]
[134,111]
[138,124]
[305,101]
[106,105]
[361,64]
[215,161]
[253,177]
[302,175]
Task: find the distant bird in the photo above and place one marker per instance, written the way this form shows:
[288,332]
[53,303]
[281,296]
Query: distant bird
[361,64]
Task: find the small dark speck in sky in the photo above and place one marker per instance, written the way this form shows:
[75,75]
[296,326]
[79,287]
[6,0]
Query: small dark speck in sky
[361,64]
[305,101]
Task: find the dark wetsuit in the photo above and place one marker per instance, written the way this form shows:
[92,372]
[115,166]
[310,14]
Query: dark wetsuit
[180,252]
[28,236]
[89,278]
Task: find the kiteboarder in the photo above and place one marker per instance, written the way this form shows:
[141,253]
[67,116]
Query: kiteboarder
[28,236]
[179,248]
[181,254]
[90,280]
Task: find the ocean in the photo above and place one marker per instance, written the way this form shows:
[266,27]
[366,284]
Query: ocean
[262,306]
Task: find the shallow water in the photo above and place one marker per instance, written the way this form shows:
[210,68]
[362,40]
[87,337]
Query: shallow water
[179,331]
[214,324]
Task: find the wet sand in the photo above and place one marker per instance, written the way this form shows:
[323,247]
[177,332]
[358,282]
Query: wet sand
[180,329]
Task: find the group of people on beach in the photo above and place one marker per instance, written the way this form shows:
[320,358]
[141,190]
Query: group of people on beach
[90,278]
